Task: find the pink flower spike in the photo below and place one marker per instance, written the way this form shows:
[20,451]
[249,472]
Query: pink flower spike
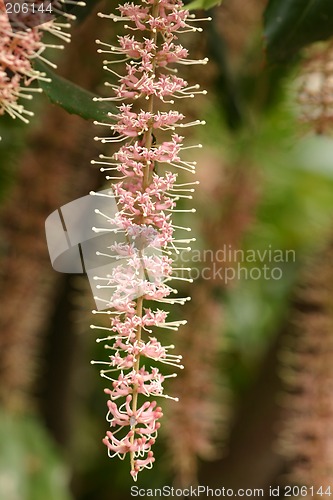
[149,161]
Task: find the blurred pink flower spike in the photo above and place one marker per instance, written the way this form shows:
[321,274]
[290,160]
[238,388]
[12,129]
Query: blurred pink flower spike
[22,28]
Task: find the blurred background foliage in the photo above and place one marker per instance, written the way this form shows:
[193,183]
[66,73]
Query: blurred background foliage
[266,183]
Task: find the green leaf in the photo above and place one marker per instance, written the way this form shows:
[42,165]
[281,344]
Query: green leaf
[290,25]
[73,98]
[202,4]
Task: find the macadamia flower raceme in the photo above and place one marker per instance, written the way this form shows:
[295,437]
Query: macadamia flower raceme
[142,274]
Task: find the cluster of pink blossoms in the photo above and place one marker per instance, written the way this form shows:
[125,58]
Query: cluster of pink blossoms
[146,201]
[20,45]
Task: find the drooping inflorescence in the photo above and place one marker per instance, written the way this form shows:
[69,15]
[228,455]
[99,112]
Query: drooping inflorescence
[142,271]
[21,43]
